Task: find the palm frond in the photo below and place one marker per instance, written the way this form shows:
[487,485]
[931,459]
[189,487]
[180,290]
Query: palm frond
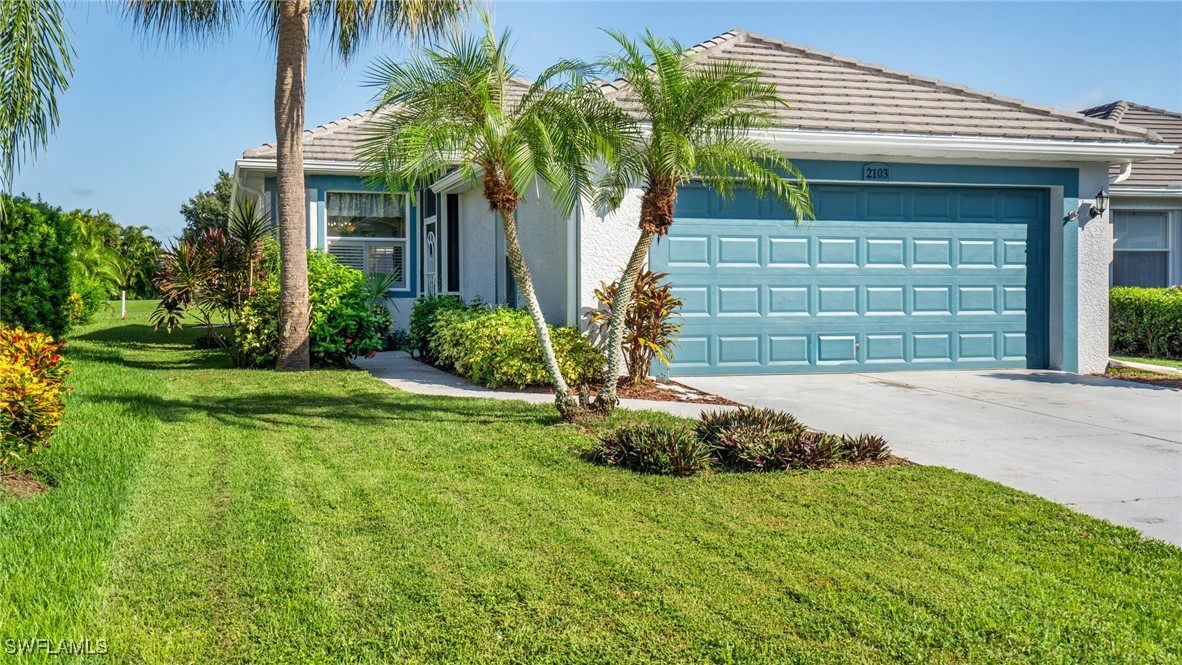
[701,118]
[462,105]
[36,62]
[350,23]
[180,20]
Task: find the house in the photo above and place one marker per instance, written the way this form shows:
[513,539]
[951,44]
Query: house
[955,229]
[1146,202]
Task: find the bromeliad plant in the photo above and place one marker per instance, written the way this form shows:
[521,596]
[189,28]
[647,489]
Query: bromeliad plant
[32,380]
[698,121]
[650,329]
[463,106]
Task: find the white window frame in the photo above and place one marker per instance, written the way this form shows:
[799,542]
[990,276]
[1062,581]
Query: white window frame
[404,283]
[1171,220]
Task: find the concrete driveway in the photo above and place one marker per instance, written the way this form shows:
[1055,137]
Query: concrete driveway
[1108,448]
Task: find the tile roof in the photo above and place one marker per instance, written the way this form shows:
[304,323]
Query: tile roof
[827,92]
[338,140]
[1161,172]
[832,93]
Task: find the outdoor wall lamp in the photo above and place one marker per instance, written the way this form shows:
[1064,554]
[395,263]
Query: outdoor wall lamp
[1100,205]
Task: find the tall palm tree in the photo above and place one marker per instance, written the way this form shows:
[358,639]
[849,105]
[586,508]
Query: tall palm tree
[288,22]
[462,106]
[35,66]
[696,121]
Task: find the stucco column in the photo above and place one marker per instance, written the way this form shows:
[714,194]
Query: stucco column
[1095,257]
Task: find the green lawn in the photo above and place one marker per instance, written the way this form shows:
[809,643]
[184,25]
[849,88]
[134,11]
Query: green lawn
[202,514]
[1165,362]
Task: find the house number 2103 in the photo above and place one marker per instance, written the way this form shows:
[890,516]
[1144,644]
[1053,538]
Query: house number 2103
[876,171]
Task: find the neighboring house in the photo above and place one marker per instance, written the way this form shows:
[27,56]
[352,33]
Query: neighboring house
[953,229]
[1146,202]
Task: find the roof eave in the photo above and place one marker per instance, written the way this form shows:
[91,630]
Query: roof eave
[1140,190]
[320,166]
[959,147]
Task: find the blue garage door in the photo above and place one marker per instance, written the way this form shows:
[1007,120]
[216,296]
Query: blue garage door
[885,278]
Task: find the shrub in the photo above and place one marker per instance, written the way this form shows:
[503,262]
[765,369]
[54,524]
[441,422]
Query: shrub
[32,378]
[35,243]
[1146,322]
[751,439]
[343,323]
[649,329]
[86,298]
[499,347]
[650,448]
[397,339]
[864,448]
[449,341]
[712,424]
[422,322]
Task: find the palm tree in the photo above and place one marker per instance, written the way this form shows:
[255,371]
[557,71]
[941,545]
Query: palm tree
[697,122]
[287,23]
[462,106]
[35,65]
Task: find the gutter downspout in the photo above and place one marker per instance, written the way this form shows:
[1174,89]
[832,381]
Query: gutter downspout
[1125,172]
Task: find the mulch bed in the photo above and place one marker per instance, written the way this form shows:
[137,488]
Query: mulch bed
[890,461]
[1142,376]
[670,391]
[660,391]
[19,485]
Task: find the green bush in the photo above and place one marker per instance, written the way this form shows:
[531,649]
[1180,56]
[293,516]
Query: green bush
[422,322]
[35,243]
[87,297]
[343,323]
[651,448]
[1145,322]
[499,347]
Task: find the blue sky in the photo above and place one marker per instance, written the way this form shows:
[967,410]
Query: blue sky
[145,126]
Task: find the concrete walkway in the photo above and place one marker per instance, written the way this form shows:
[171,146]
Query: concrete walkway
[401,371]
[1107,448]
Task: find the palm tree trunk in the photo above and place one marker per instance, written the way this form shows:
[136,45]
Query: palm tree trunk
[290,72]
[564,398]
[607,400]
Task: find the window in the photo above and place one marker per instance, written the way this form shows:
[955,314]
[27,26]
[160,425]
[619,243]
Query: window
[368,231]
[453,243]
[1141,254]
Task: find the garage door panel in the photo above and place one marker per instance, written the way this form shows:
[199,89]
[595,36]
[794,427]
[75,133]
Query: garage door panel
[938,277]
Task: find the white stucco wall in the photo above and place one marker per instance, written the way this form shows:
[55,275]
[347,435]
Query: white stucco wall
[1095,255]
[605,243]
[543,234]
[480,248]
[542,231]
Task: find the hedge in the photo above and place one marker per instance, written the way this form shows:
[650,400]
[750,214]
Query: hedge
[498,347]
[35,243]
[1145,322]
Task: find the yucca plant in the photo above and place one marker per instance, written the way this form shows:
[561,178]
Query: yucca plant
[694,121]
[208,277]
[250,226]
[649,326]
